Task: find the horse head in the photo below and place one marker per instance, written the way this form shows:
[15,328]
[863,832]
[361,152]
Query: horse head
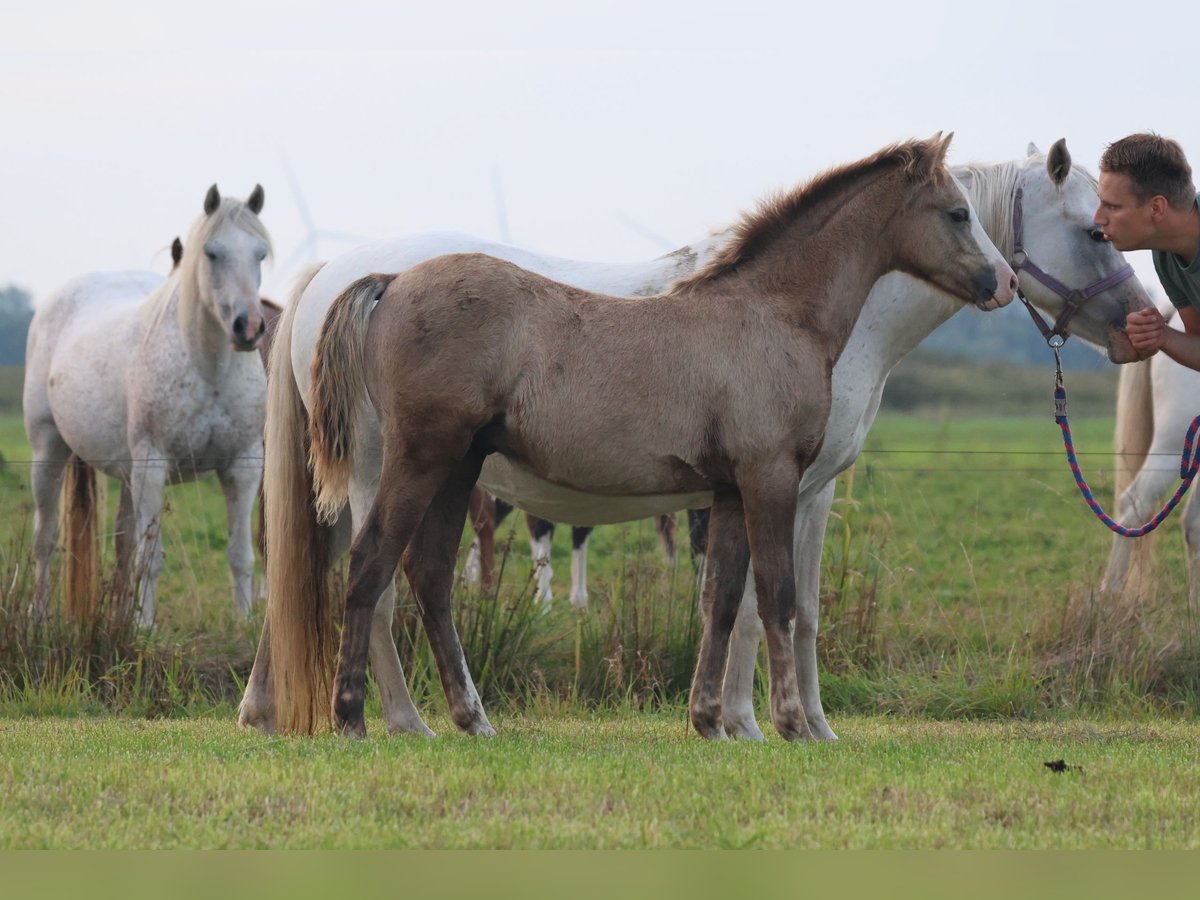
[940,238]
[1064,261]
[232,245]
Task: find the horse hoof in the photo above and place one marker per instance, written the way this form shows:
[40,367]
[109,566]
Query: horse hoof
[353,730]
[417,728]
[821,731]
[746,730]
[251,717]
[708,726]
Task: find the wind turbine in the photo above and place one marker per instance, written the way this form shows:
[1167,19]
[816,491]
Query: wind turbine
[307,251]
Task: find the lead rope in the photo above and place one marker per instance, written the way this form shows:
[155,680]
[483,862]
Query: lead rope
[1189,463]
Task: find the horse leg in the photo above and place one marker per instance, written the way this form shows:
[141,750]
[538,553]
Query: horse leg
[147,485]
[737,695]
[240,485]
[666,527]
[257,708]
[541,533]
[399,712]
[579,542]
[729,556]
[1127,561]
[1191,544]
[698,536]
[406,490]
[808,536]
[429,565]
[125,543]
[770,500]
[481,559]
[808,539]
[50,455]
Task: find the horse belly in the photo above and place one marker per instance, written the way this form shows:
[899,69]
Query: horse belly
[560,503]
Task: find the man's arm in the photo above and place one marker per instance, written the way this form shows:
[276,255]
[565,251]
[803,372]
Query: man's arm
[1149,333]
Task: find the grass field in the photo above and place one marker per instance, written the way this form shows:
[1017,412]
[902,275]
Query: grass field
[612,781]
[963,645]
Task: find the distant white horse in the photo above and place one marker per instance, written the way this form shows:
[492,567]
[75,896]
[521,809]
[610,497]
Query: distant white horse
[1157,399]
[899,313]
[144,379]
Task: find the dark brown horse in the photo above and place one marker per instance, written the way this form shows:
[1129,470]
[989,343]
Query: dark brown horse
[729,375]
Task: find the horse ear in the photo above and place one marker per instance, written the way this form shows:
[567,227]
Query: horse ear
[211,201]
[176,252]
[945,147]
[1058,162]
[255,201]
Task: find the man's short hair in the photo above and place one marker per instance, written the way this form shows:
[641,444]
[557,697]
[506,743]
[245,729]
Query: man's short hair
[1155,164]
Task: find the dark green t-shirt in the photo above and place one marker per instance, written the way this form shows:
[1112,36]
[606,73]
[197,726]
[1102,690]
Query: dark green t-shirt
[1182,283]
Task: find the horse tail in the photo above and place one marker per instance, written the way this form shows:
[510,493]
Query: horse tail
[81,541]
[1133,434]
[300,614]
[338,386]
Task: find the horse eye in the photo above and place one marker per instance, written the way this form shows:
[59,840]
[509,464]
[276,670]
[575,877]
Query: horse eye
[959,215]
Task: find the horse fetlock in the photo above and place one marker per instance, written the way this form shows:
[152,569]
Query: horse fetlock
[348,712]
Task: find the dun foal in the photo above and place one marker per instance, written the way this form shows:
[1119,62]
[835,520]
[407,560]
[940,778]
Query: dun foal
[466,355]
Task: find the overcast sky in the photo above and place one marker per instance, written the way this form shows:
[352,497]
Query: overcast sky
[599,124]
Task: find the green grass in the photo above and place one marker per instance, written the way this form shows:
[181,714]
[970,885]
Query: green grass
[632,781]
[959,581]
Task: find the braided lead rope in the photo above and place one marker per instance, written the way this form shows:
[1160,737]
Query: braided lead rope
[1189,463]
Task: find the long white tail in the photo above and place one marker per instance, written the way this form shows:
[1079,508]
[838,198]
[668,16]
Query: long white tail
[300,606]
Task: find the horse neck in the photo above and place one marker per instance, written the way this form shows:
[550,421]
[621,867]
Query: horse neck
[820,267]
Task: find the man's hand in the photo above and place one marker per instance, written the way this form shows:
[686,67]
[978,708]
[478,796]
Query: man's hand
[1147,331]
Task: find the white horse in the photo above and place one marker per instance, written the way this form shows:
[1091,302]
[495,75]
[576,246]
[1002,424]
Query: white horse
[1157,399]
[145,380]
[1058,205]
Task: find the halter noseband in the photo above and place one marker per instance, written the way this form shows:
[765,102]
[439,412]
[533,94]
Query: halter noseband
[1055,335]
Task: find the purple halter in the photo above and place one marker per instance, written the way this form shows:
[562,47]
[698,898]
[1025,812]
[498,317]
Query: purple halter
[1055,335]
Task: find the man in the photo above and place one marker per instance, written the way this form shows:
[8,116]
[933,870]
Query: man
[1148,202]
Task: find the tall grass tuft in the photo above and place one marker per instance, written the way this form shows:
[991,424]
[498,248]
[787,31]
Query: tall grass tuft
[105,663]
[1096,649]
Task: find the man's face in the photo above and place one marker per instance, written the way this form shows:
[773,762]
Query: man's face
[1125,221]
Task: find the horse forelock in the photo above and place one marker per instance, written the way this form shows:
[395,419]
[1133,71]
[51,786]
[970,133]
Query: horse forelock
[230,212]
[992,190]
[777,212]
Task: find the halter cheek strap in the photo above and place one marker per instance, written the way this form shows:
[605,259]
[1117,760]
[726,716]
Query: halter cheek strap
[1056,334]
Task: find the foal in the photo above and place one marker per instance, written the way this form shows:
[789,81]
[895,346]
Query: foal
[733,401]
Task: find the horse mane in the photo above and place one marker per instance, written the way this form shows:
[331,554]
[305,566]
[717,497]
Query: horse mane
[776,213]
[992,190]
[183,278]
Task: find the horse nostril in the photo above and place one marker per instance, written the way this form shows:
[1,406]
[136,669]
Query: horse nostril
[1012,283]
[239,327]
